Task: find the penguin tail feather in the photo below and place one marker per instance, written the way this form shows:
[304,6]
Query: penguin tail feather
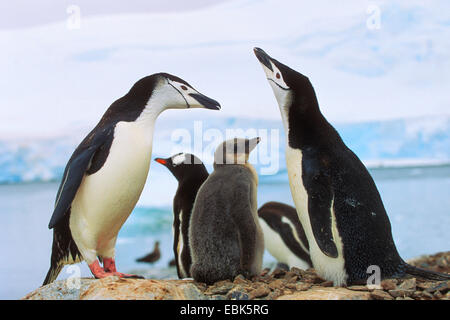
[426,274]
[53,273]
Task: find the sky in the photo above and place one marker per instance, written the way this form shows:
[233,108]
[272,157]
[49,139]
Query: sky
[62,66]
[26,13]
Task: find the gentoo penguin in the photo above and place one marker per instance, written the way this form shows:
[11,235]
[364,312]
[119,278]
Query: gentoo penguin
[152,256]
[106,174]
[284,236]
[190,173]
[225,236]
[336,199]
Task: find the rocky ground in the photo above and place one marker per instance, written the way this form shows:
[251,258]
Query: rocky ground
[294,284]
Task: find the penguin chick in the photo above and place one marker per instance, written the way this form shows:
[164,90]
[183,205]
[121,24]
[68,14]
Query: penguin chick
[226,238]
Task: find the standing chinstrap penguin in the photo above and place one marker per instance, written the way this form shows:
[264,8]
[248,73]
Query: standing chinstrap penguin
[105,175]
[336,199]
[225,236]
[284,236]
[190,172]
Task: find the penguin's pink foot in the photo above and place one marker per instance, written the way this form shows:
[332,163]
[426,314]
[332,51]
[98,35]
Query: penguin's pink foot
[110,266]
[98,271]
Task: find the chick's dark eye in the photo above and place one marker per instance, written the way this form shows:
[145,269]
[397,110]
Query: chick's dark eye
[184,88]
[278,75]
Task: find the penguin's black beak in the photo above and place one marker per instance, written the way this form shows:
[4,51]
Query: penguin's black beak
[255,140]
[206,102]
[252,143]
[263,57]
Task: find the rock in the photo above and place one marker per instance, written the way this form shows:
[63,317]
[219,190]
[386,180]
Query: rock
[238,293]
[303,286]
[409,284]
[293,284]
[327,284]
[426,295]
[389,284]
[298,272]
[240,279]
[278,273]
[319,293]
[221,287]
[277,284]
[265,272]
[440,286]
[275,294]
[291,279]
[425,285]
[439,262]
[261,291]
[114,288]
[396,293]
[359,288]
[380,295]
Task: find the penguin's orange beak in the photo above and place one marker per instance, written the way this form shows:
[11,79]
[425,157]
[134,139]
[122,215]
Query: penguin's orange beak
[162,161]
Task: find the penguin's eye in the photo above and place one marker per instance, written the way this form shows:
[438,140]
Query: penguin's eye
[278,75]
[184,88]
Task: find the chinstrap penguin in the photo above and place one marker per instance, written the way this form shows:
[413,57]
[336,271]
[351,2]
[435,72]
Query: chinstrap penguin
[190,172]
[284,236]
[106,174]
[152,256]
[225,236]
[336,199]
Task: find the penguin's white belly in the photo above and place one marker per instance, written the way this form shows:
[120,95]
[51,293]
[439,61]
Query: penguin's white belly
[278,249]
[332,269]
[180,246]
[106,198]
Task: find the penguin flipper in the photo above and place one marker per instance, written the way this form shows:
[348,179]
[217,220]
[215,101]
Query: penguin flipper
[74,172]
[320,202]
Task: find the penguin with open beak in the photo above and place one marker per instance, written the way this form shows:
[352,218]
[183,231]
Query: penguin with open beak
[105,175]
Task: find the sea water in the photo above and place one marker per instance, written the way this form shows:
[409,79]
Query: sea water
[417,200]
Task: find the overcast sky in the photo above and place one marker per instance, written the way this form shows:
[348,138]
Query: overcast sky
[26,13]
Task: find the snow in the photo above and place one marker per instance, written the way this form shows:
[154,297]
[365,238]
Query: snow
[54,78]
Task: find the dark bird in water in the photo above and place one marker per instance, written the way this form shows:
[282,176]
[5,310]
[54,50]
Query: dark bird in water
[172,263]
[152,256]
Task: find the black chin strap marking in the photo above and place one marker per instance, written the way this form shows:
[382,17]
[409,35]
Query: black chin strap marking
[285,89]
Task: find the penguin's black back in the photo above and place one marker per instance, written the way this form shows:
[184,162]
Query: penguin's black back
[185,196]
[360,214]
[190,178]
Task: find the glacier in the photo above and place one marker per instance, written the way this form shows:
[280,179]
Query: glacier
[401,142]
